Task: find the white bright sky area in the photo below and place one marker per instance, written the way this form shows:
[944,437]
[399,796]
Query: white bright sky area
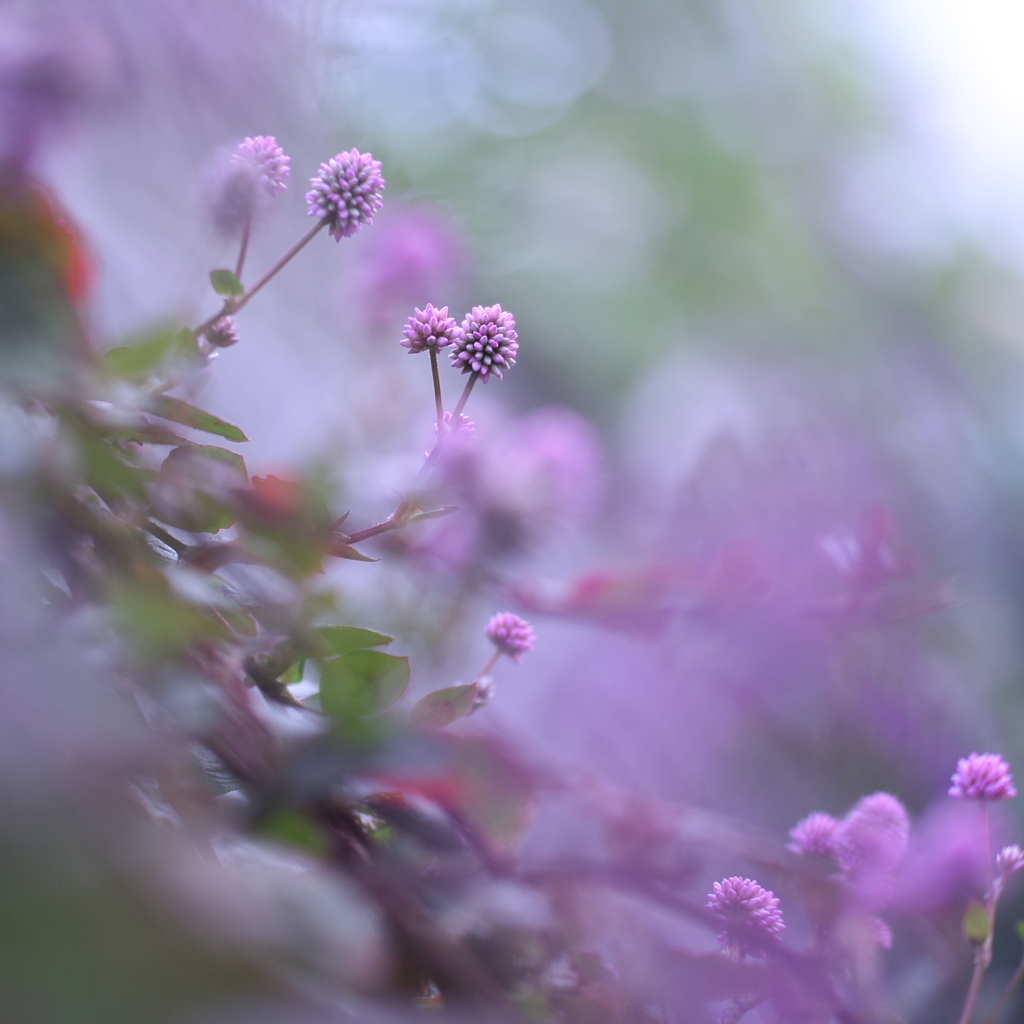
[960,67]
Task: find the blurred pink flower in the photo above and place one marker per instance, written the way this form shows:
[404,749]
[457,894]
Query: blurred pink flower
[982,777]
[543,473]
[512,635]
[414,251]
[815,835]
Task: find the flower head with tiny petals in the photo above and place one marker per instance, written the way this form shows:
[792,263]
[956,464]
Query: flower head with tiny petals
[346,193]
[430,328]
[510,634]
[982,777]
[749,912]
[1009,861]
[488,343]
[266,159]
[222,333]
[814,835]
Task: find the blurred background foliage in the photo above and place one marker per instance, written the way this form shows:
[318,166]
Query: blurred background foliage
[794,562]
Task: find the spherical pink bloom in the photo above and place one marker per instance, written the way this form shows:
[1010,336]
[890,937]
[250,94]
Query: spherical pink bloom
[870,843]
[488,343]
[749,912]
[982,777]
[815,835]
[1009,861]
[510,634]
[430,328]
[266,159]
[346,193]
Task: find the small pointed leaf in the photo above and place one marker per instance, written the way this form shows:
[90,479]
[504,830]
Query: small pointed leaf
[347,551]
[437,513]
[225,283]
[177,411]
[975,923]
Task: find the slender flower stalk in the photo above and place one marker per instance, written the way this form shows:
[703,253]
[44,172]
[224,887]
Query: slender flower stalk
[984,778]
[464,398]
[1004,998]
[234,304]
[491,662]
[243,247]
[438,400]
[431,329]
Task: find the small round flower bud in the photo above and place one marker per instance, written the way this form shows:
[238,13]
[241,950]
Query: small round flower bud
[346,193]
[814,835]
[1009,861]
[464,427]
[510,634]
[982,777]
[488,343]
[749,912]
[222,333]
[430,328]
[266,159]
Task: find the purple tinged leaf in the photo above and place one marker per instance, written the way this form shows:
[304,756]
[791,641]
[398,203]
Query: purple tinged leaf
[442,707]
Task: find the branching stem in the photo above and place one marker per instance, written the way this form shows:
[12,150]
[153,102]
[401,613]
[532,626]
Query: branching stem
[233,304]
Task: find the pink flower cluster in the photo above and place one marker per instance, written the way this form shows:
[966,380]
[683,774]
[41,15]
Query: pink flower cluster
[982,777]
[750,914]
[485,344]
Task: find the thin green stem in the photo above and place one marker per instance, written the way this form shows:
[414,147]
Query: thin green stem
[286,258]
[464,398]
[244,247]
[234,304]
[438,402]
[491,662]
[1014,981]
[983,952]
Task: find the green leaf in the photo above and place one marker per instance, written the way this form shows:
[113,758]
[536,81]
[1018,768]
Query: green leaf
[1020,930]
[177,411]
[293,828]
[975,923]
[232,460]
[195,490]
[343,639]
[362,683]
[138,361]
[225,283]
[442,707]
[293,674]
[148,433]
